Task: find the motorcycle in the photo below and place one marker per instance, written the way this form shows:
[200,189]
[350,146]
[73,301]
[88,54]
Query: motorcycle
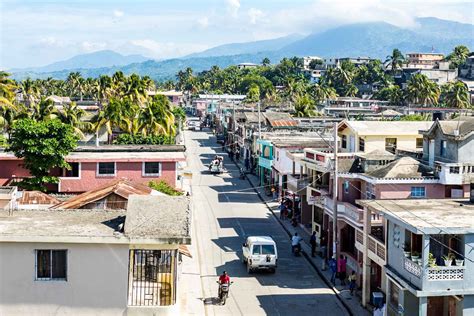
[242,174]
[297,250]
[223,291]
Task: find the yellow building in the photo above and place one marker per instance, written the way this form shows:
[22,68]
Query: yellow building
[367,136]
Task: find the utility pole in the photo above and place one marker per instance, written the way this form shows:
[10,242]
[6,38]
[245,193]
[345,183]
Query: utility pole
[259,124]
[334,195]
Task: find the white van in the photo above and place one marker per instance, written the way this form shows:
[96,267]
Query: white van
[260,252]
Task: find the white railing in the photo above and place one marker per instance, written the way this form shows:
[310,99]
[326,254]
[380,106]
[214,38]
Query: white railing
[376,247]
[413,268]
[445,273]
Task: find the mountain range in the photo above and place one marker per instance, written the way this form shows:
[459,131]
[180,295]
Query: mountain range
[374,39]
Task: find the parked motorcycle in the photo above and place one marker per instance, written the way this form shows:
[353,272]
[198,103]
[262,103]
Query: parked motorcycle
[297,250]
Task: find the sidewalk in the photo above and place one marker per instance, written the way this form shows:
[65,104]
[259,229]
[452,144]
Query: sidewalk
[352,303]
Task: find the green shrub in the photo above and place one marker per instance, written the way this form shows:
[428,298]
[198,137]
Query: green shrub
[127,139]
[164,187]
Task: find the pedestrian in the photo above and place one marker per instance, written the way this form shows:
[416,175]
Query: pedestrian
[274,193]
[333,268]
[312,242]
[352,282]
[231,154]
[237,154]
[341,269]
[282,208]
[247,163]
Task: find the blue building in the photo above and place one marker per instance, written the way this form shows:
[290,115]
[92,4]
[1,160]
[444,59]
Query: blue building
[265,161]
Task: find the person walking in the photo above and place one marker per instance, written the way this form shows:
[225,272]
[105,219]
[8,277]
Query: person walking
[312,242]
[333,267]
[282,208]
[352,282]
[231,154]
[341,269]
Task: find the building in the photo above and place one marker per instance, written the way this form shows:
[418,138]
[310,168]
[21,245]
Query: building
[8,197]
[308,59]
[367,136]
[448,146]
[94,262]
[423,60]
[466,70]
[92,167]
[357,61]
[247,65]
[428,256]
[175,97]
[351,106]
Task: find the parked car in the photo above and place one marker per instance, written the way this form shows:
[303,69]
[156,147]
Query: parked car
[260,253]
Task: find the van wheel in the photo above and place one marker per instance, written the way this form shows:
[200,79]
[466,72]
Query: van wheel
[272,271]
[249,269]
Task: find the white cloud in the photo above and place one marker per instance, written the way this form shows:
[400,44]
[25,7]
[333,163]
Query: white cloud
[233,7]
[92,46]
[118,13]
[203,22]
[159,50]
[255,15]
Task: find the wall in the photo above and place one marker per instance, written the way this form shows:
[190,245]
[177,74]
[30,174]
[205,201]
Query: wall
[130,170]
[9,168]
[282,163]
[97,281]
[466,150]
[403,191]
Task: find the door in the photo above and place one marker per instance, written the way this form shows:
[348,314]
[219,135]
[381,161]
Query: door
[435,306]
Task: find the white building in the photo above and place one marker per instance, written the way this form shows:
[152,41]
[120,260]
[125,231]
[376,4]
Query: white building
[93,262]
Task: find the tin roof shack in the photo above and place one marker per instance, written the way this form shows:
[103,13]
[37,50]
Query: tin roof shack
[93,262]
[429,255]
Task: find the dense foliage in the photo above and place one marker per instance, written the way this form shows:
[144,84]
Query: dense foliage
[43,145]
[164,187]
[127,139]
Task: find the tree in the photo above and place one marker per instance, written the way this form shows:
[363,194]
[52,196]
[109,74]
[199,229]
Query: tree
[456,95]
[7,90]
[72,115]
[395,60]
[43,145]
[266,62]
[393,94]
[322,92]
[304,106]
[253,95]
[42,110]
[315,63]
[421,90]
[458,56]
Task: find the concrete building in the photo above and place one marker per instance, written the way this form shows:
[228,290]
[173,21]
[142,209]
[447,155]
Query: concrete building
[175,97]
[93,262]
[466,70]
[367,136]
[351,106]
[423,60]
[429,259]
[247,65]
[92,166]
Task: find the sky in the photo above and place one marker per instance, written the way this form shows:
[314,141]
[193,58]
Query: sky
[37,33]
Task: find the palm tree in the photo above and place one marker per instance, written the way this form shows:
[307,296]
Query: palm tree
[73,83]
[421,90]
[304,106]
[7,90]
[157,117]
[30,91]
[72,115]
[266,62]
[104,89]
[395,60]
[456,95]
[135,89]
[42,110]
[322,92]
[458,56]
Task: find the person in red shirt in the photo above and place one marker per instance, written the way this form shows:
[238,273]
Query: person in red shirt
[223,278]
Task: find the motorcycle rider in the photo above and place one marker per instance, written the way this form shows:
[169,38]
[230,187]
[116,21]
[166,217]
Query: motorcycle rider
[223,278]
[295,242]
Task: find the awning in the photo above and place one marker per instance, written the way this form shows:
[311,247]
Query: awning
[183,249]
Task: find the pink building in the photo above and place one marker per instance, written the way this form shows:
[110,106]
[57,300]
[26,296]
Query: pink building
[92,167]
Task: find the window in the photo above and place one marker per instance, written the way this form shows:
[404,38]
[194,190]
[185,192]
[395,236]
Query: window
[391,145]
[106,168]
[344,141]
[418,192]
[256,250]
[51,265]
[268,250]
[151,169]
[361,144]
[74,172]
[419,143]
[442,148]
[454,170]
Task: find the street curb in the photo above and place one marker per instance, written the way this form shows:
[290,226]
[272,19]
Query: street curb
[318,271]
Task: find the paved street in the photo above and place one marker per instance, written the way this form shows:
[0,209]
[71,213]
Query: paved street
[225,210]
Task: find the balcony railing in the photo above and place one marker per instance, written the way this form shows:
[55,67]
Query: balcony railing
[376,247]
[438,273]
[360,237]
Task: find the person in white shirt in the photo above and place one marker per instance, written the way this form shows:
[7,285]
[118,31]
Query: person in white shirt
[295,242]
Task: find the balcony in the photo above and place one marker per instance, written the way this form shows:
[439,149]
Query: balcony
[297,182]
[376,250]
[437,273]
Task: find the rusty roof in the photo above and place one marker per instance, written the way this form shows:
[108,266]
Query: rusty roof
[37,197]
[122,187]
[283,123]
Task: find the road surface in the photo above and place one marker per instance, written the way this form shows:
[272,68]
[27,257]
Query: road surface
[225,210]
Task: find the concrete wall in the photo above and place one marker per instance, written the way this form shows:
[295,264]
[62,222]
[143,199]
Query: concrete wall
[403,191]
[97,281]
[8,168]
[466,150]
[468,305]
